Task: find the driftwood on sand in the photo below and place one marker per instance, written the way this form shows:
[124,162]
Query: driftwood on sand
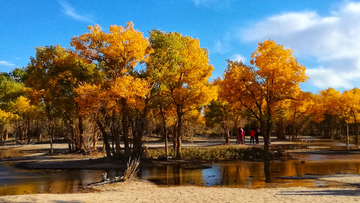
[106,180]
[130,173]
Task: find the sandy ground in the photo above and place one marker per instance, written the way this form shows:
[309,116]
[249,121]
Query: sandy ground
[143,191]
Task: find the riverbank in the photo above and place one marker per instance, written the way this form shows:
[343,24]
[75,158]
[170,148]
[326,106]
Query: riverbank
[303,171]
[144,191]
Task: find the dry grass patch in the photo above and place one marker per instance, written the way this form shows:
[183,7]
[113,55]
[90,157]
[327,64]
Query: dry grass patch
[132,169]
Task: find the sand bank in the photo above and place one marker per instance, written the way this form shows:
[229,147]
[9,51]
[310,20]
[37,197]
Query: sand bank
[143,191]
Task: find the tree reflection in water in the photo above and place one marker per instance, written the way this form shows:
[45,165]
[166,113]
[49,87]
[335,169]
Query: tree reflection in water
[228,174]
[267,172]
[251,174]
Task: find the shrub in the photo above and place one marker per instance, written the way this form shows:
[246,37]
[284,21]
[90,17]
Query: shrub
[216,153]
[132,169]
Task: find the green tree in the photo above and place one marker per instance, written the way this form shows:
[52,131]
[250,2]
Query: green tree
[54,73]
[182,72]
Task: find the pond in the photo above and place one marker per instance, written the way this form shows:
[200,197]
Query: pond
[245,174]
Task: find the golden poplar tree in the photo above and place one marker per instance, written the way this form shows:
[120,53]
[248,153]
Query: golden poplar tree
[274,76]
[116,53]
[349,110]
[54,73]
[182,72]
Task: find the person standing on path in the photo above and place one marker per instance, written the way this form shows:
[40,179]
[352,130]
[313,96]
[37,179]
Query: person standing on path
[252,136]
[257,136]
[242,133]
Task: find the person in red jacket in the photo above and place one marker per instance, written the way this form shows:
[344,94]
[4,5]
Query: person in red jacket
[252,136]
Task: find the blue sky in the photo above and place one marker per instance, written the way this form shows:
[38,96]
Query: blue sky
[324,34]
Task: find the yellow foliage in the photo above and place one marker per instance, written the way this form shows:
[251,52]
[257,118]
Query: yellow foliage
[280,68]
[181,68]
[120,49]
[331,100]
[349,106]
[6,117]
[22,106]
[263,89]
[131,89]
[92,98]
[117,52]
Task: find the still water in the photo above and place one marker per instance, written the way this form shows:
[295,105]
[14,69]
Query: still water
[251,174]
[14,181]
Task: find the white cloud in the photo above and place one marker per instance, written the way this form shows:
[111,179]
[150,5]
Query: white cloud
[333,41]
[222,46]
[70,11]
[238,57]
[322,77]
[6,63]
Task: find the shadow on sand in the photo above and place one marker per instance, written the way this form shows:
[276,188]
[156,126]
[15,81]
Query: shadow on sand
[323,192]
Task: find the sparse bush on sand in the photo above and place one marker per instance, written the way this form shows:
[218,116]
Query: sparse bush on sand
[132,169]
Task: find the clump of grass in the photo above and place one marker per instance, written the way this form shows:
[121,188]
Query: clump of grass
[132,169]
[217,153]
[155,153]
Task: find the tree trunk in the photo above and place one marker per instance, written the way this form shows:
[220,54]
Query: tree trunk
[28,130]
[2,135]
[227,135]
[81,132]
[95,140]
[356,130]
[72,144]
[347,134]
[138,142]
[175,137]
[179,132]
[112,144]
[356,133]
[280,131]
[115,134]
[138,135]
[266,132]
[165,131]
[51,140]
[125,126]
[6,135]
[267,172]
[166,142]
[117,141]
[106,138]
[50,131]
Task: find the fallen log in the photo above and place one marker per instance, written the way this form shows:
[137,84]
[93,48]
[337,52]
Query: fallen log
[105,180]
